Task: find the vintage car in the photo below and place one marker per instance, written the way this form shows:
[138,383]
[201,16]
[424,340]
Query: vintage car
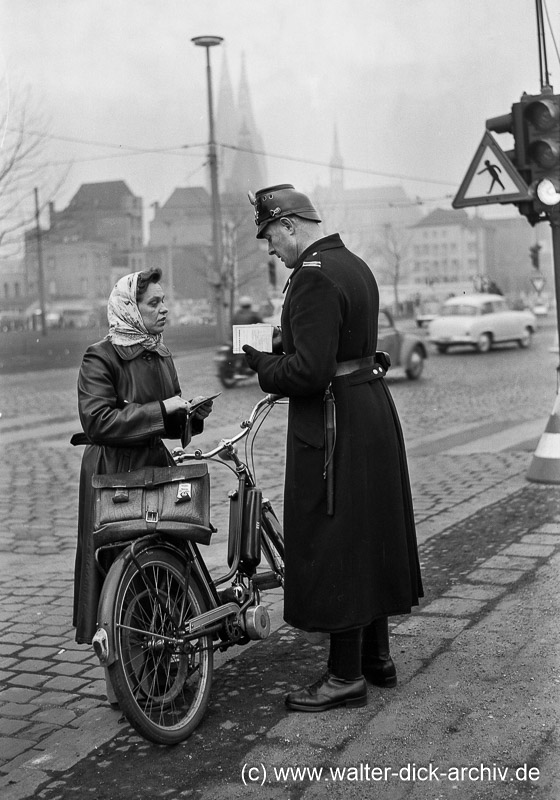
[405,349]
[426,312]
[480,321]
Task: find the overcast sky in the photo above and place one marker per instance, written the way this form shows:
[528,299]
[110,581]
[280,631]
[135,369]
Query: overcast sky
[408,84]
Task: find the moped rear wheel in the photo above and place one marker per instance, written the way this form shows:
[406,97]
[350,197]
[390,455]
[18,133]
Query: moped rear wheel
[161,681]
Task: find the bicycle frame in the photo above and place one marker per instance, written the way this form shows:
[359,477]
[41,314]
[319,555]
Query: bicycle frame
[235,616]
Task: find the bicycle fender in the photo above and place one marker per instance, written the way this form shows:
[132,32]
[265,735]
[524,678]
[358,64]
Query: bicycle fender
[104,639]
[106,606]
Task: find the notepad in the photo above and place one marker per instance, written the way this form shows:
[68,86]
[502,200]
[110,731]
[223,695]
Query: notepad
[258,336]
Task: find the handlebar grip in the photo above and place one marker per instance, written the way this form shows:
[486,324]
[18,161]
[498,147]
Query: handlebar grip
[272,398]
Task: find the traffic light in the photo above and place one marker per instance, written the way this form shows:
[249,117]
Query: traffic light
[272,273]
[542,118]
[513,123]
[534,251]
[516,124]
[534,123]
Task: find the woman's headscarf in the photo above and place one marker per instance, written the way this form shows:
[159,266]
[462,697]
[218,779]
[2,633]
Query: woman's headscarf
[126,327]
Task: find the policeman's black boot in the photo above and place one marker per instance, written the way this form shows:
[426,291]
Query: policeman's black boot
[342,685]
[377,665]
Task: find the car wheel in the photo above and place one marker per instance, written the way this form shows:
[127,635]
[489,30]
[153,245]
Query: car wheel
[441,348]
[415,364]
[526,339]
[484,343]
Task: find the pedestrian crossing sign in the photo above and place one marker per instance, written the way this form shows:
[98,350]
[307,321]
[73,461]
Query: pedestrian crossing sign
[491,178]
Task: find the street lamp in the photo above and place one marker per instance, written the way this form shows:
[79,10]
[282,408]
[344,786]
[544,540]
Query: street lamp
[208,42]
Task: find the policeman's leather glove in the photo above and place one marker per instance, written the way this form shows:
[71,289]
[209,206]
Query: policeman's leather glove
[252,356]
[277,341]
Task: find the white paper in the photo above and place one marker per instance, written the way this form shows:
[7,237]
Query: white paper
[258,335]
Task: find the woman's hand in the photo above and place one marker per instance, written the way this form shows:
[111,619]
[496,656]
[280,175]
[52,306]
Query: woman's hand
[205,409]
[174,404]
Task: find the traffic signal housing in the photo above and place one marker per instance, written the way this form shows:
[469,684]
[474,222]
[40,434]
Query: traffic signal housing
[534,252]
[534,123]
[513,123]
[542,118]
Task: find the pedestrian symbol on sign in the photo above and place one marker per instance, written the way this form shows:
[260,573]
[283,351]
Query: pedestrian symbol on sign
[490,163]
[493,170]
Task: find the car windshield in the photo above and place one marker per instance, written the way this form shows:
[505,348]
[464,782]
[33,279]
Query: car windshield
[462,310]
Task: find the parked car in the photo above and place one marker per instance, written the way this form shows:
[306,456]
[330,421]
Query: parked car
[427,311]
[540,309]
[406,350]
[481,321]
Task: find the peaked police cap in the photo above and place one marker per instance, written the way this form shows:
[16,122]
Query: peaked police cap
[280,201]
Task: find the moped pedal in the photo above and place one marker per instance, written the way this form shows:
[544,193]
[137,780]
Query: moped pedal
[266,580]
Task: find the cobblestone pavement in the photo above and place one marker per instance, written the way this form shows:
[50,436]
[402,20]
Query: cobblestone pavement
[52,708]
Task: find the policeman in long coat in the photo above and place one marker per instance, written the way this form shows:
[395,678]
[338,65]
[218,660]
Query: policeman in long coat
[351,556]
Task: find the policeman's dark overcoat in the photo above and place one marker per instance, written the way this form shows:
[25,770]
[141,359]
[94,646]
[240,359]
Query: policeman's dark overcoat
[119,394]
[345,569]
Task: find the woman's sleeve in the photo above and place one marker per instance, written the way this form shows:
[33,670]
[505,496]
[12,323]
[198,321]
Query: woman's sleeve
[105,418]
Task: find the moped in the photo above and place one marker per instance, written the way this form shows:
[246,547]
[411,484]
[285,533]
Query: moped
[231,368]
[162,616]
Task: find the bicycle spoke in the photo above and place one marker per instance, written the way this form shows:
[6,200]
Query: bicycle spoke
[165,680]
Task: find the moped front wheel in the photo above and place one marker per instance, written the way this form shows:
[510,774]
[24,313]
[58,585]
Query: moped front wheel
[162,681]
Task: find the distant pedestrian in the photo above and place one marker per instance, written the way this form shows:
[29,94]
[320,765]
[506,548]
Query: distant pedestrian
[351,556]
[129,398]
[246,314]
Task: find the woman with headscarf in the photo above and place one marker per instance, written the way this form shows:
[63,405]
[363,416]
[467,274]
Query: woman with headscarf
[128,399]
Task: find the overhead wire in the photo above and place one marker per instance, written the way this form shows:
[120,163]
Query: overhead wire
[551,31]
[343,168]
[178,150]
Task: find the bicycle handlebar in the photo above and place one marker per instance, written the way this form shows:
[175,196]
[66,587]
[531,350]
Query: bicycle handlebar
[224,444]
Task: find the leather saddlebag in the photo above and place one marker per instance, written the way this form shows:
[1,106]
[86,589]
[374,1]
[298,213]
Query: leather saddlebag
[171,500]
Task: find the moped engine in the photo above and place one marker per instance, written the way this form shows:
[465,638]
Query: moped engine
[256,622]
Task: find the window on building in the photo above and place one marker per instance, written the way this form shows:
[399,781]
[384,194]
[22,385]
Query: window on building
[6,290]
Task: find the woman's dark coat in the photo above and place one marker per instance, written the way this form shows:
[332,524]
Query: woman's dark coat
[344,570]
[119,394]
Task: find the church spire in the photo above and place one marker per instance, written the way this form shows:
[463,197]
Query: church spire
[226,124]
[248,170]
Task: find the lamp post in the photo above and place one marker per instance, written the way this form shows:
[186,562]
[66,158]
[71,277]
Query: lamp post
[208,42]
[170,277]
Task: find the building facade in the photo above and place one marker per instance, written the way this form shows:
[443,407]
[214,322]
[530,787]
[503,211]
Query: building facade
[453,252]
[87,246]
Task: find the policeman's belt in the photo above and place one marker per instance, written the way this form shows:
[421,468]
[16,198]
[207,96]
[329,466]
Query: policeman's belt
[358,364]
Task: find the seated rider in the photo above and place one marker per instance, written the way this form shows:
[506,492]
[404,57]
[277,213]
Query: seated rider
[245,314]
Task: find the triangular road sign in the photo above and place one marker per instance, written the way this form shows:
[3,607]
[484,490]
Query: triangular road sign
[491,178]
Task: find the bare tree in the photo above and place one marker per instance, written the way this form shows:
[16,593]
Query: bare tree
[392,249]
[24,166]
